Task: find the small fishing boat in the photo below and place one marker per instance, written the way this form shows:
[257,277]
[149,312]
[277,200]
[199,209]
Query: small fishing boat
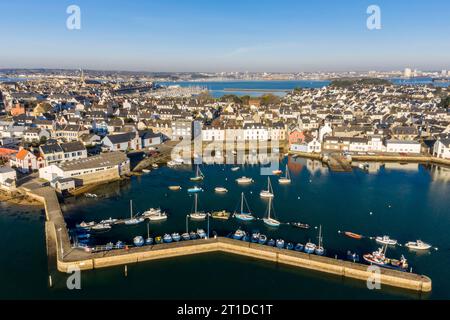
[101,227]
[159,240]
[155,215]
[234,169]
[352,256]
[287,178]
[300,225]
[148,241]
[146,171]
[280,244]
[167,238]
[379,258]
[269,192]
[290,246]
[176,237]
[239,235]
[221,215]
[269,221]
[221,190]
[310,248]
[354,235]
[195,190]
[277,172]
[386,240]
[198,175]
[262,239]
[193,235]
[155,166]
[186,236]
[244,180]
[138,241]
[91,195]
[175,188]
[85,225]
[299,247]
[244,216]
[271,243]
[418,245]
[201,233]
[255,237]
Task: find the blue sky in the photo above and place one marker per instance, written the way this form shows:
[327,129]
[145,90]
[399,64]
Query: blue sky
[226,35]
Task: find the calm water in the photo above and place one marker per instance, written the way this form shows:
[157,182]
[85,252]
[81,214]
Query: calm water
[218,88]
[407,202]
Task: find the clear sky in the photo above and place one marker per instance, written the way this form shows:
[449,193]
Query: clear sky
[226,35]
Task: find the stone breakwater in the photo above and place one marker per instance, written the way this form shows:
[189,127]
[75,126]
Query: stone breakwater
[67,258]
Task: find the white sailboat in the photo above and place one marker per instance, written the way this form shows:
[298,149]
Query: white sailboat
[320,251]
[244,216]
[197,215]
[269,221]
[199,176]
[269,192]
[287,178]
[133,220]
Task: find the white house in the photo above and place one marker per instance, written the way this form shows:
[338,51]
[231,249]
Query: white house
[403,146]
[311,145]
[8,177]
[213,134]
[442,149]
[25,161]
[122,141]
[255,132]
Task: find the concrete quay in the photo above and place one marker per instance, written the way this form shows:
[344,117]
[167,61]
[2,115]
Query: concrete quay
[67,258]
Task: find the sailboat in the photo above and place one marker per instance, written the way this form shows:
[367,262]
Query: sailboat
[133,220]
[286,179]
[269,192]
[197,215]
[198,175]
[244,216]
[320,251]
[270,221]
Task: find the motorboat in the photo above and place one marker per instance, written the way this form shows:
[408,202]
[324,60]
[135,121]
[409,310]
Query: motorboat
[418,245]
[109,221]
[234,169]
[269,192]
[299,247]
[310,248]
[262,239]
[271,243]
[290,246]
[280,244]
[159,240]
[146,171]
[386,240]
[85,225]
[255,237]
[138,241]
[155,166]
[300,225]
[120,245]
[352,256]
[220,215]
[148,241]
[221,190]
[193,235]
[201,233]
[167,238]
[239,235]
[195,189]
[277,172]
[155,215]
[175,188]
[186,236]
[244,180]
[176,237]
[101,227]
[244,216]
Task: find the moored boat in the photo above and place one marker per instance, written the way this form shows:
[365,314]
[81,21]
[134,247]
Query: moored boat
[286,179]
[159,240]
[138,241]
[221,190]
[300,225]
[244,180]
[299,247]
[197,215]
[255,237]
[320,251]
[235,169]
[262,239]
[167,238]
[201,233]
[310,248]
[101,227]
[280,244]
[379,258]
[186,236]
[269,192]
[290,246]
[198,175]
[418,245]
[220,215]
[244,216]
[239,234]
[176,237]
[352,256]
[175,188]
[353,235]
[155,215]
[277,172]
[195,189]
[271,243]
[148,241]
[386,240]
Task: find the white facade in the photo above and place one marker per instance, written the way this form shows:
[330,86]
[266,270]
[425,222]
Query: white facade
[313,146]
[403,146]
[256,133]
[213,134]
[442,149]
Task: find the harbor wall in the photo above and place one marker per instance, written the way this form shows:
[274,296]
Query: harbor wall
[69,259]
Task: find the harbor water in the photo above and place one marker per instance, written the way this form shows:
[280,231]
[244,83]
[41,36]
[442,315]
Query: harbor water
[406,202]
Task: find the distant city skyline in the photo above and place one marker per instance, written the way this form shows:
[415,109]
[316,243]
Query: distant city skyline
[226,36]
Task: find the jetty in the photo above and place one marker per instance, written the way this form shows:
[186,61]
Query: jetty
[67,258]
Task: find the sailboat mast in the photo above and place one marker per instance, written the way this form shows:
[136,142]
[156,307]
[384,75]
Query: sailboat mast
[270,206]
[242,203]
[195,207]
[131,209]
[320,236]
